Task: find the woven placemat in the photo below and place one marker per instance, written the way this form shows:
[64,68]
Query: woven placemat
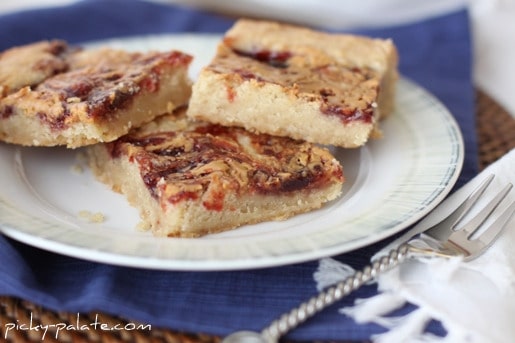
[496,128]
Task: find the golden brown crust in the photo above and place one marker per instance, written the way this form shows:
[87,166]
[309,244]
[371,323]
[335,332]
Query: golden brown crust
[82,97]
[226,177]
[31,64]
[291,81]
[345,49]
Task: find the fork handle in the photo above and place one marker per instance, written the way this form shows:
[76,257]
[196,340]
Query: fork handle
[308,309]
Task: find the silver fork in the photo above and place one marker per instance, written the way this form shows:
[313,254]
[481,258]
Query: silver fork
[442,239]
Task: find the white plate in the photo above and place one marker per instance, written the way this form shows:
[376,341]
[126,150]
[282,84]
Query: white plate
[391,183]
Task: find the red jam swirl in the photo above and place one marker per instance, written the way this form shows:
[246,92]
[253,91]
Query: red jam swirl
[6,112]
[277,59]
[346,114]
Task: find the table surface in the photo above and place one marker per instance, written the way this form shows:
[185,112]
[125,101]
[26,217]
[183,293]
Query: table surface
[495,127]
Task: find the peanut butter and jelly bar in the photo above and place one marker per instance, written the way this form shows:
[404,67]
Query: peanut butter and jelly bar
[53,94]
[290,81]
[190,178]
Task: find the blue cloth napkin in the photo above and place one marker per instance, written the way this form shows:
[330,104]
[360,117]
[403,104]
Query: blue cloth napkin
[436,53]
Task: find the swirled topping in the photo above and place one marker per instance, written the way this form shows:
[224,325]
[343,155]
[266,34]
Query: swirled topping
[347,92]
[31,64]
[62,85]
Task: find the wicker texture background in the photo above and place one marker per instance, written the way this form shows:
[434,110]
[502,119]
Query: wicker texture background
[496,133]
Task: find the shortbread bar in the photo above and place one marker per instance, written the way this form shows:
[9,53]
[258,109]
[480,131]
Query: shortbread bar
[53,94]
[292,81]
[190,178]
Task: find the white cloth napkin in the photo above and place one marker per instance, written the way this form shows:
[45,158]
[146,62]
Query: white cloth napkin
[475,301]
